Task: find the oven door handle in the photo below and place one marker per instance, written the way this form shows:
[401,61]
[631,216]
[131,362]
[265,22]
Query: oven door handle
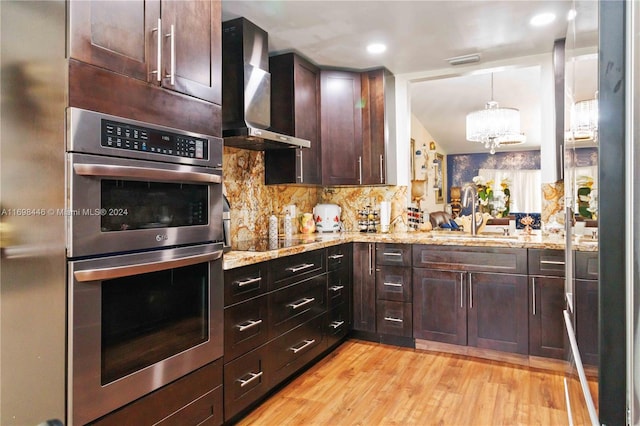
[114,171]
[142,268]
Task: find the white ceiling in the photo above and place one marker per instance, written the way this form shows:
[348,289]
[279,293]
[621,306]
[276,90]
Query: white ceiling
[420,36]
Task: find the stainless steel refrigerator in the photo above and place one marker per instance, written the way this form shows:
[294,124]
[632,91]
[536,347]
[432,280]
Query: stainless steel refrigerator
[32,238]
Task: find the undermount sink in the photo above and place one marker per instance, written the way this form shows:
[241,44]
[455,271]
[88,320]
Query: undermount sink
[463,235]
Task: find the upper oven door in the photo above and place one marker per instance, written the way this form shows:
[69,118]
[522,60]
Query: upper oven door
[117,205]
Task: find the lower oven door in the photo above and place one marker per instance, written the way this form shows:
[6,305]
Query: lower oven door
[139,321]
[138,205]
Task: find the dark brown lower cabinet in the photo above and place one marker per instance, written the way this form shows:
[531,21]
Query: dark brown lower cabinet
[245,381]
[394,318]
[546,323]
[364,287]
[497,317]
[195,399]
[439,306]
[586,306]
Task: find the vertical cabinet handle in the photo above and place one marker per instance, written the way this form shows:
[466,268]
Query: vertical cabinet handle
[461,289]
[370,260]
[381,170]
[360,170]
[470,292]
[158,70]
[533,291]
[301,177]
[172,75]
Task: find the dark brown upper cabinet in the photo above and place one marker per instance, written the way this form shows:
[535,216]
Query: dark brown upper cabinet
[175,45]
[377,87]
[341,127]
[295,110]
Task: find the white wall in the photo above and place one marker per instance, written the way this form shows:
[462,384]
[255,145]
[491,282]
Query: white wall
[422,138]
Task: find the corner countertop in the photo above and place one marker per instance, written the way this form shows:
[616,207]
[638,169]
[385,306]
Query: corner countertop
[302,243]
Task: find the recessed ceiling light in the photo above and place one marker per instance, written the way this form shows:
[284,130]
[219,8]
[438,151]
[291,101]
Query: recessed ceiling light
[542,19]
[376,48]
[571,15]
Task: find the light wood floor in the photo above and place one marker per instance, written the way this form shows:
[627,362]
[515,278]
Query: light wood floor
[363,383]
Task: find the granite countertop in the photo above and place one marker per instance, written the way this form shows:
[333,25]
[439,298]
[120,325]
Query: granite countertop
[301,243]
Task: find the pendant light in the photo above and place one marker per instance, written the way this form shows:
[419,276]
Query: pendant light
[494,126]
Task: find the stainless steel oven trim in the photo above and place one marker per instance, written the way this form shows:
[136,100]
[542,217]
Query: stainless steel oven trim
[88,399]
[149,173]
[84,130]
[85,238]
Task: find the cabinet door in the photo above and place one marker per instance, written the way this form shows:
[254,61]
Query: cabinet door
[546,324]
[341,127]
[118,36]
[587,320]
[364,287]
[439,306]
[393,283]
[295,110]
[394,318]
[497,312]
[192,50]
[245,381]
[373,127]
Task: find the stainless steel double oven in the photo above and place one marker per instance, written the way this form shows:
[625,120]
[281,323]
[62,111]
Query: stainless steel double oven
[144,248]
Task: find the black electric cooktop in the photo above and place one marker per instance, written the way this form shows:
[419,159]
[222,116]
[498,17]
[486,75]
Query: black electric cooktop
[265,244]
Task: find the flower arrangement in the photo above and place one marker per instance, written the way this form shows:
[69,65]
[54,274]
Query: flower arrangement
[496,203]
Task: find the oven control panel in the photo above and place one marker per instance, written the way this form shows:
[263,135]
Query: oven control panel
[136,138]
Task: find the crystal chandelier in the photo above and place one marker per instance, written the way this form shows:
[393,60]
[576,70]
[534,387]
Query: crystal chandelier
[584,120]
[494,126]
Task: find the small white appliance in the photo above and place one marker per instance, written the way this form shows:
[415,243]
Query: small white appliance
[327,217]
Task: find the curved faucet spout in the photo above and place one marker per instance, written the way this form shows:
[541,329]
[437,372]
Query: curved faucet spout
[470,193]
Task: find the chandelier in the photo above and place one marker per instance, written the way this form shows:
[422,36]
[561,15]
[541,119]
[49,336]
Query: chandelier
[584,120]
[494,126]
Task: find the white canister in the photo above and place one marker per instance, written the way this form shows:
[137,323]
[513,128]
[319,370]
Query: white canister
[385,216]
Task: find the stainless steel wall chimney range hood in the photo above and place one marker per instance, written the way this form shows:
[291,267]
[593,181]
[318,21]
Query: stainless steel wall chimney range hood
[246,90]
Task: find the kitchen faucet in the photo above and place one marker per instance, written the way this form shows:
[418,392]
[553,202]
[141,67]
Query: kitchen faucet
[469,190]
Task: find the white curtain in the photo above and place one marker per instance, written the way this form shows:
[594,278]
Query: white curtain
[525,187]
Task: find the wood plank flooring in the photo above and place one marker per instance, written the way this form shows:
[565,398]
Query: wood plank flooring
[363,383]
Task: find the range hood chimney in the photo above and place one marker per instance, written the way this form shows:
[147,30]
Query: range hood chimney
[246,90]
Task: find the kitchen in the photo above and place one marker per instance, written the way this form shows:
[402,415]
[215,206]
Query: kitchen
[264,199]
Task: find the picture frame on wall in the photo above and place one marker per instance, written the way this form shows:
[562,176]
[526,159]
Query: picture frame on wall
[438,184]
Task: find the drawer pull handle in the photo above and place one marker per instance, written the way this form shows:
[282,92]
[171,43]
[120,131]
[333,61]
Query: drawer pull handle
[306,344]
[249,324]
[393,319]
[336,324]
[336,256]
[393,284]
[247,281]
[392,254]
[336,287]
[301,267]
[552,262]
[303,302]
[253,377]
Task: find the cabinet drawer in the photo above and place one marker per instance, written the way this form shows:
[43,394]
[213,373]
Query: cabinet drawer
[245,327]
[296,304]
[245,282]
[206,410]
[393,254]
[338,257]
[393,283]
[394,318]
[289,269]
[171,399]
[470,259]
[245,380]
[546,262]
[338,287]
[337,324]
[587,265]
[294,349]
